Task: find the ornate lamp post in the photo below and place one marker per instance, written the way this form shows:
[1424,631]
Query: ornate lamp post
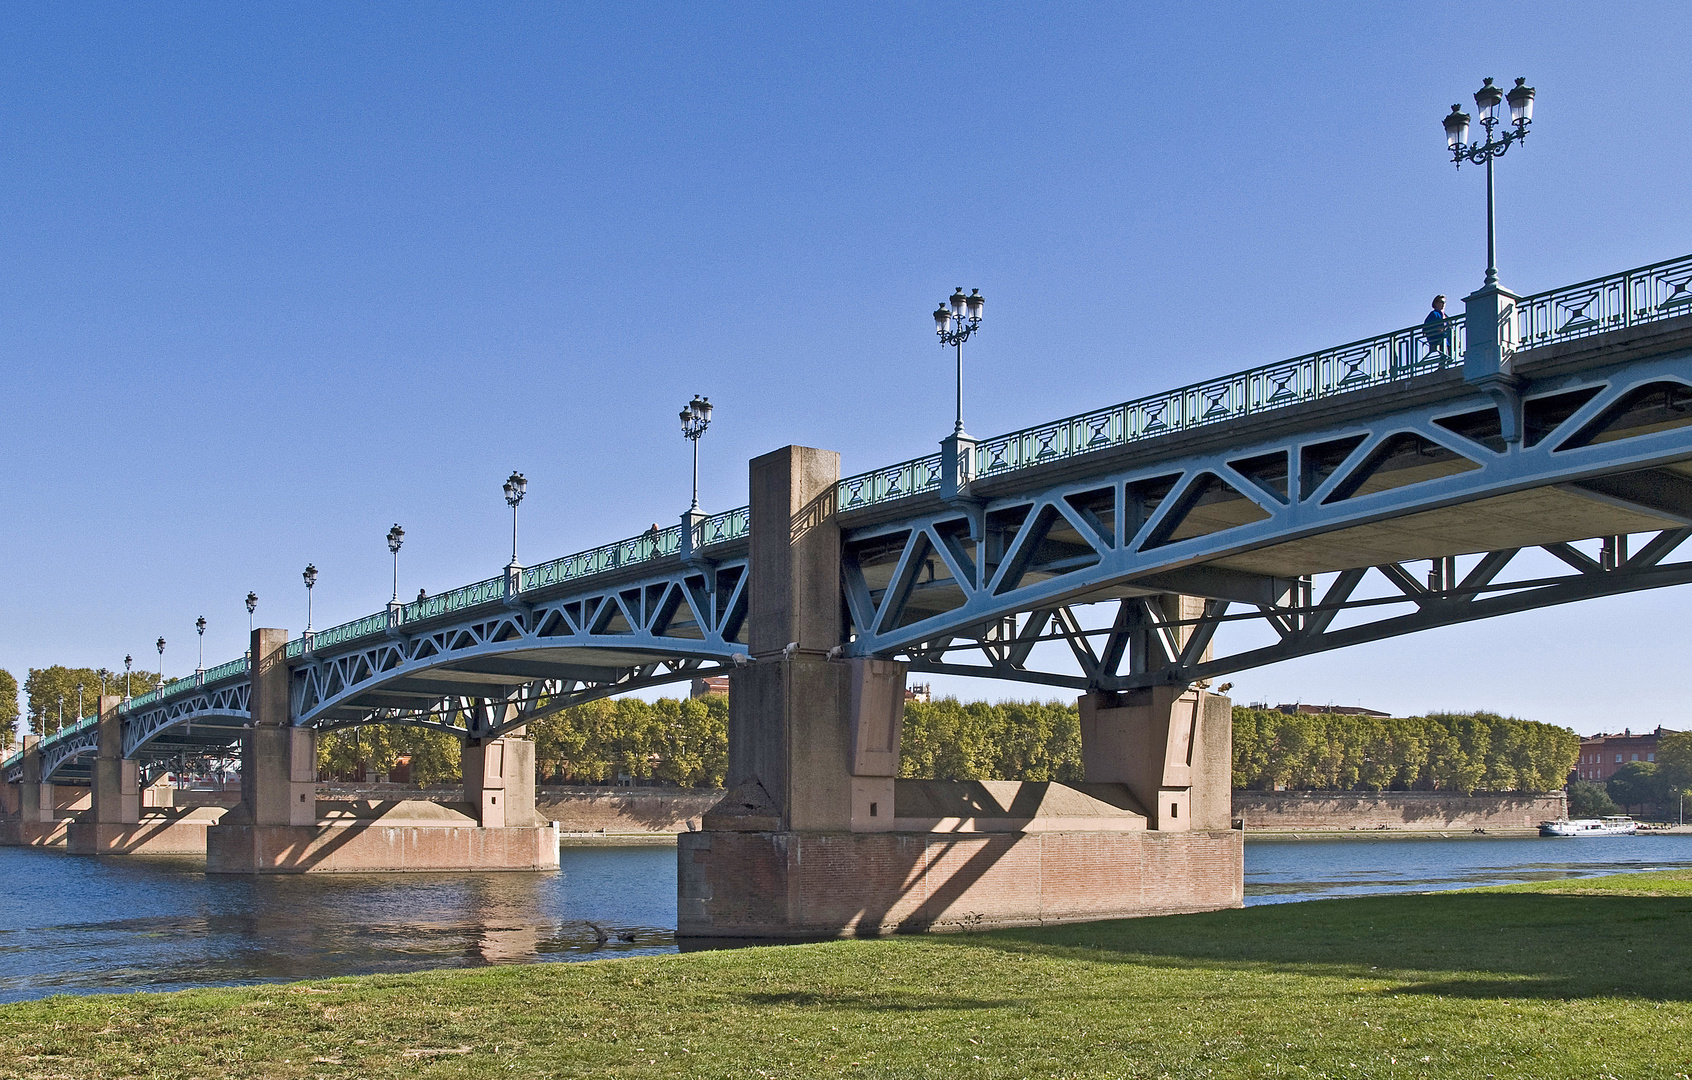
[396,537]
[200,628]
[252,606]
[695,418]
[515,488]
[79,703]
[161,644]
[127,661]
[1487,100]
[1489,312]
[955,324]
[310,579]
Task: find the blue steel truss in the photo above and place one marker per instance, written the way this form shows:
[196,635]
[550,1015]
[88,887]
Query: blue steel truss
[1208,491]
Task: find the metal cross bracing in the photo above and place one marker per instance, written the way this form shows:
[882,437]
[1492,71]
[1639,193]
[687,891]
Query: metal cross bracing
[1352,461]
[507,666]
[1089,551]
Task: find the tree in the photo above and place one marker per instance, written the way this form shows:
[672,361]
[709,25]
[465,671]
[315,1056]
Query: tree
[1589,800]
[1639,784]
[8,706]
[1674,759]
[45,687]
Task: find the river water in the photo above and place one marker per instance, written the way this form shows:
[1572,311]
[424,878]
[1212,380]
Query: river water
[71,924]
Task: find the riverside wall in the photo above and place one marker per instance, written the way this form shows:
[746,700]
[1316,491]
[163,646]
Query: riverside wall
[613,811]
[1394,811]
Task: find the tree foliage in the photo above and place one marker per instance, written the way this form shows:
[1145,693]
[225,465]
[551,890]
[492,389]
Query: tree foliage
[1013,740]
[683,742]
[46,686]
[1674,759]
[1461,752]
[8,705]
[1589,800]
[1640,784]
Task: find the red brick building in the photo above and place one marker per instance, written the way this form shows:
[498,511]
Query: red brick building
[1601,755]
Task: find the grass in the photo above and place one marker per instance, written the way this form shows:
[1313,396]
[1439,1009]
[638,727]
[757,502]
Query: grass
[1559,979]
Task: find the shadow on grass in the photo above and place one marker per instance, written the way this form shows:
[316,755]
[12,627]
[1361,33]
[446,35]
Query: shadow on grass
[1459,945]
[880,1001]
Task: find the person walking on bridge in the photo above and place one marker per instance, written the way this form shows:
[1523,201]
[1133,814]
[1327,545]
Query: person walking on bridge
[1434,329]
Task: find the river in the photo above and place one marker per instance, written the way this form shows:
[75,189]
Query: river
[71,924]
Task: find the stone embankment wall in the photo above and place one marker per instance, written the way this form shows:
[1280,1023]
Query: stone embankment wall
[586,809]
[1404,811]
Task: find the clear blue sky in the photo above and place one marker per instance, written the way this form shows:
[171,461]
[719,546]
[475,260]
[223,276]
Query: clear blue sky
[275,277]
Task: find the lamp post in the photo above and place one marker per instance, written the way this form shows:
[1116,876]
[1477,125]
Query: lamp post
[161,644]
[200,628]
[310,579]
[61,726]
[955,324]
[515,488]
[695,418]
[252,606]
[1487,100]
[79,703]
[396,537]
[127,661]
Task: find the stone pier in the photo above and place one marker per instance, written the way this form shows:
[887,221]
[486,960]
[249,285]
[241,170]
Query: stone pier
[281,828]
[44,810]
[817,836]
[119,822]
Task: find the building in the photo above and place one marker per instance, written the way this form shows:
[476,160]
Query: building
[710,687]
[1601,755]
[920,692]
[1336,710]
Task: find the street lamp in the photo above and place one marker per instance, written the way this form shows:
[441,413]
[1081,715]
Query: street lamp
[79,703]
[161,643]
[127,661]
[396,537]
[695,418]
[310,579]
[200,627]
[252,606]
[955,324]
[1487,100]
[515,488]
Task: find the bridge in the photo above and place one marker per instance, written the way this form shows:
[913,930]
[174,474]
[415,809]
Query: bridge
[1378,488]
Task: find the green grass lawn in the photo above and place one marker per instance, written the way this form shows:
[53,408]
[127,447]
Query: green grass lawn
[1583,979]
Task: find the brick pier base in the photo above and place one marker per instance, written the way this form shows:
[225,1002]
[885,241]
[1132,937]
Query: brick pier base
[366,847]
[166,831]
[15,833]
[789,884]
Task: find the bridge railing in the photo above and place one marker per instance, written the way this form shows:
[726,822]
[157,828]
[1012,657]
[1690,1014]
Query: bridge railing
[1645,294]
[653,544]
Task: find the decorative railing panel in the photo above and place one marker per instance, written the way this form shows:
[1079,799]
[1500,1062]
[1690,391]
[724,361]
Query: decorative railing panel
[481,592]
[893,482]
[234,667]
[1659,291]
[723,527]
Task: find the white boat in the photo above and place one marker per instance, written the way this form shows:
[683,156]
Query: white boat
[1610,826]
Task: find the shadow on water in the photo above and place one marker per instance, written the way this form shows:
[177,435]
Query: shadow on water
[70,924]
[1457,945]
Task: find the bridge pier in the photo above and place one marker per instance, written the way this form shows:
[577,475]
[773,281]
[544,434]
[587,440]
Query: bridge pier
[280,827]
[118,823]
[40,821]
[817,836]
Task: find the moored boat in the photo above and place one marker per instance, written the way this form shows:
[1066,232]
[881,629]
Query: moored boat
[1609,826]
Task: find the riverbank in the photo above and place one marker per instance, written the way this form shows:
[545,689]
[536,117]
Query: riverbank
[1529,982]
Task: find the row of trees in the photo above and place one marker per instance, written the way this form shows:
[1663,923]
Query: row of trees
[54,691]
[681,742]
[1462,752]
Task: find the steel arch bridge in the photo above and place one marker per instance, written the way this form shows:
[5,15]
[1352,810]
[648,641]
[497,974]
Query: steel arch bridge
[1345,496]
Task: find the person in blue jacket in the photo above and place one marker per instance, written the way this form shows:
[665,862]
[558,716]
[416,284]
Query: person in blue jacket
[1433,328]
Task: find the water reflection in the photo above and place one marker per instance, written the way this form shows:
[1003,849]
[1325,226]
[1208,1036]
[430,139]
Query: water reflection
[72,924]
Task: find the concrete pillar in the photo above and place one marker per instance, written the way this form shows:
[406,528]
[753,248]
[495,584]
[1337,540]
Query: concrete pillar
[116,782]
[1171,746]
[35,799]
[278,760]
[813,743]
[499,781]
